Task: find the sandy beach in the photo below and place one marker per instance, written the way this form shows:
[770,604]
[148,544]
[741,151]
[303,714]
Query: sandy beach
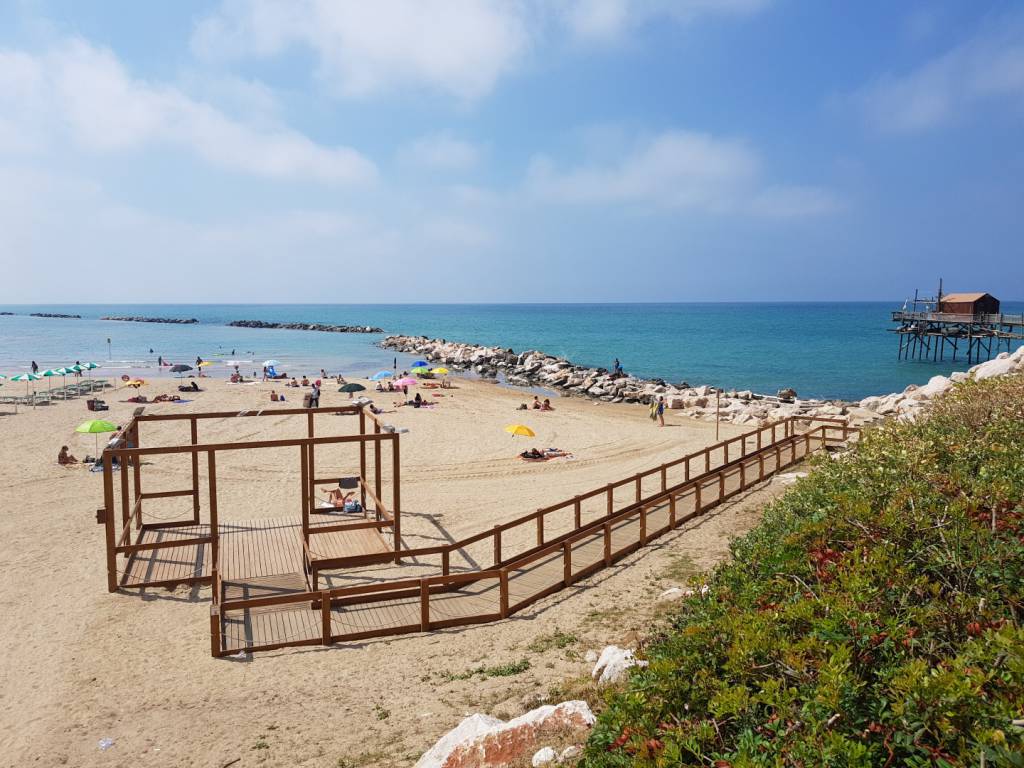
[83,665]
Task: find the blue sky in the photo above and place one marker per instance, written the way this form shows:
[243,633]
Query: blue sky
[521,150]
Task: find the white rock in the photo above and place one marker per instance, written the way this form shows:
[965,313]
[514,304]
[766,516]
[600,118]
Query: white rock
[958,376]
[997,367]
[669,595]
[543,756]
[590,657]
[936,386]
[570,752]
[613,663]
[470,729]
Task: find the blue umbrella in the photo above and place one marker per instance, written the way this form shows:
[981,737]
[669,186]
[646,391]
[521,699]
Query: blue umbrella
[381,375]
[420,364]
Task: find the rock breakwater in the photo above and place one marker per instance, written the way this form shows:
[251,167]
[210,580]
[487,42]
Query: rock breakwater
[538,369]
[171,320]
[55,314]
[306,326]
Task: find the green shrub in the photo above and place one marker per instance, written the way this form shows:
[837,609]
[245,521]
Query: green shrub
[872,618]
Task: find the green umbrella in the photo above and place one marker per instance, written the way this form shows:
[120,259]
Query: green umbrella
[48,373]
[96,427]
[420,369]
[350,388]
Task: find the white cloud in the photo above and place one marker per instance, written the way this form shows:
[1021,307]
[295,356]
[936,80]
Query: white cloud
[682,171]
[441,153]
[989,65]
[673,170]
[84,92]
[460,47]
[602,20]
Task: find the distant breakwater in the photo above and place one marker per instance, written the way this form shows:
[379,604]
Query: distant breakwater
[170,320]
[54,314]
[538,369]
[306,326]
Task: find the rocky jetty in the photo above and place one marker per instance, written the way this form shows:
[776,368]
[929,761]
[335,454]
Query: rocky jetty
[537,369]
[55,314]
[171,320]
[307,326]
[6,313]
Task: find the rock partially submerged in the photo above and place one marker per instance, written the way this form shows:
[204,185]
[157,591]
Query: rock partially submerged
[140,319]
[55,314]
[482,741]
[306,326]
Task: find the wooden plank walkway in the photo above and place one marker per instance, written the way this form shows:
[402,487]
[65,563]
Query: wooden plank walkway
[301,623]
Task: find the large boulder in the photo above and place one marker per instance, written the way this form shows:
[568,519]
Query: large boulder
[482,741]
[612,664]
[998,367]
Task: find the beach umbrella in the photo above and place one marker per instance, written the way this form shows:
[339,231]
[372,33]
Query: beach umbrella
[89,367]
[271,363]
[406,382]
[47,374]
[439,371]
[419,369]
[420,364]
[135,383]
[205,363]
[350,388]
[180,368]
[379,375]
[27,377]
[95,427]
[520,429]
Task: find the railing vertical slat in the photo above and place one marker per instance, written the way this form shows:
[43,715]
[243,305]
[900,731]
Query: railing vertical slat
[424,606]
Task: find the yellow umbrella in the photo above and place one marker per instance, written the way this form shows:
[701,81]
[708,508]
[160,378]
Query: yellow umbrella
[441,371]
[205,363]
[136,383]
[520,429]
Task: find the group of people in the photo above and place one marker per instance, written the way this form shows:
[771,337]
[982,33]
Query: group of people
[541,406]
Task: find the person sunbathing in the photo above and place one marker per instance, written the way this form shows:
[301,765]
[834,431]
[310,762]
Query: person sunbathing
[166,398]
[190,387]
[64,458]
[305,381]
[532,454]
[546,405]
[273,396]
[536,403]
[292,383]
[344,501]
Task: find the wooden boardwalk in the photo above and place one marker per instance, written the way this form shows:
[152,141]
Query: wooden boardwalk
[392,610]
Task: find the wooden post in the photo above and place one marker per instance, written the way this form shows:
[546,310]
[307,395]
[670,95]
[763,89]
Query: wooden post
[611,498]
[497,546]
[671,511]
[215,641]
[445,562]
[311,477]
[567,563]
[325,617]
[424,606]
[396,496]
[540,529]
[125,501]
[195,471]
[743,475]
[686,471]
[725,448]
[639,491]
[721,484]
[643,525]
[137,476]
[108,520]
[577,512]
[362,456]
[760,467]
[503,592]
[707,460]
[377,474]
[304,481]
[664,477]
[607,544]
[211,457]
[760,430]
[696,498]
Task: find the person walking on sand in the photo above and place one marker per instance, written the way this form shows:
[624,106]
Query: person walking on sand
[35,368]
[314,395]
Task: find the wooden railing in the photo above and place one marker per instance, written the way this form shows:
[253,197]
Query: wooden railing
[702,491]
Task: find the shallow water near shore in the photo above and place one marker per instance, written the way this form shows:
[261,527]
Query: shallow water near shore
[827,350]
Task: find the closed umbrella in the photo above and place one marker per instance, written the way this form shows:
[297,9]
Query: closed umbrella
[95,427]
[520,429]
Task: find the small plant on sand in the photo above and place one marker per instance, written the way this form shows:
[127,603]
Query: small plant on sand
[501,670]
[260,744]
[381,712]
[556,639]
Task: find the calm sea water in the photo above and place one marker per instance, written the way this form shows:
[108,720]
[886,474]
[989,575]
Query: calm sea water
[839,350]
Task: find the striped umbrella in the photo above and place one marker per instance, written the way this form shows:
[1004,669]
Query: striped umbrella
[27,377]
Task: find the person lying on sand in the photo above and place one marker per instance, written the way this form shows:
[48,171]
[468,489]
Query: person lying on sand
[416,402]
[190,387]
[344,501]
[548,453]
[64,458]
[546,405]
[166,398]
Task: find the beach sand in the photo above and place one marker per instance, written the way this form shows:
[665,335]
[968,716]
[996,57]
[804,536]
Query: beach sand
[80,665]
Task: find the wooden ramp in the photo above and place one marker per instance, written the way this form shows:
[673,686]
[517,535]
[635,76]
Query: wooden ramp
[315,617]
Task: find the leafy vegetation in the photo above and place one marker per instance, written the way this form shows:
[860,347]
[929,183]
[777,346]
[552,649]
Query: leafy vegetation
[500,670]
[872,619]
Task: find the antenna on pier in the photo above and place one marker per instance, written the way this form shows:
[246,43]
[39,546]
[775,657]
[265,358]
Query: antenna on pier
[938,301]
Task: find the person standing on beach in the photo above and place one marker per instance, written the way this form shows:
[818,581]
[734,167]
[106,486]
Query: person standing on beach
[661,411]
[314,396]
[160,361]
[35,368]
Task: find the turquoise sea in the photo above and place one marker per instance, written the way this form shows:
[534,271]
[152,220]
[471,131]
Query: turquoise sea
[839,350]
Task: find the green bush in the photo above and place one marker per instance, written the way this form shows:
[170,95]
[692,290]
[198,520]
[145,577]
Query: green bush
[873,618]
